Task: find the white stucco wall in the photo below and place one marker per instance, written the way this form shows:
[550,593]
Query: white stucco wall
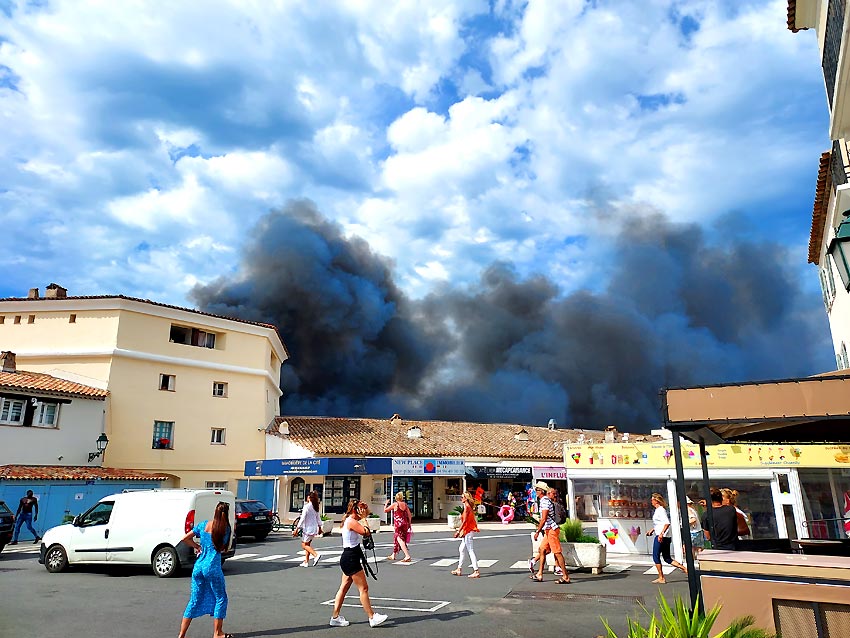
[80,423]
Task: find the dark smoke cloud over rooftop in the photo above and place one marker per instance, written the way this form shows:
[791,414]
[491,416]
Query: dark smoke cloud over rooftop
[680,309]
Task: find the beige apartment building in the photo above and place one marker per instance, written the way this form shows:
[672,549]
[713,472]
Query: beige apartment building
[190,393]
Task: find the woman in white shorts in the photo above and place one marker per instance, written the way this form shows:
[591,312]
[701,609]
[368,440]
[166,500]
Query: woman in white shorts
[309,524]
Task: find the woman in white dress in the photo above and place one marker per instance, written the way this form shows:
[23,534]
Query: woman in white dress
[309,524]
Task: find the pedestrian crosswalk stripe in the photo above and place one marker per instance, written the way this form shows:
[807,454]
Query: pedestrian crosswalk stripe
[615,569]
[445,562]
[402,563]
[665,568]
[297,559]
[272,557]
[486,562]
[520,564]
[242,556]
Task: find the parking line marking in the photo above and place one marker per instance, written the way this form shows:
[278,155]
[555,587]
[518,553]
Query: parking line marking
[242,556]
[437,604]
[272,557]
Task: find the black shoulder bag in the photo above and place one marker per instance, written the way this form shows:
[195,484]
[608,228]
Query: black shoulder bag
[369,543]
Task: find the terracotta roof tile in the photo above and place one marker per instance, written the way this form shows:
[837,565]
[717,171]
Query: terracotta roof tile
[73,473]
[824,185]
[792,17]
[152,303]
[46,384]
[331,436]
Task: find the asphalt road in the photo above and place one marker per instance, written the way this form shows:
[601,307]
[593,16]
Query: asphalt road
[270,595]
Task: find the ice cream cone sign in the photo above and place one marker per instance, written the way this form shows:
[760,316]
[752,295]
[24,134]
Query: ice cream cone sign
[634,533]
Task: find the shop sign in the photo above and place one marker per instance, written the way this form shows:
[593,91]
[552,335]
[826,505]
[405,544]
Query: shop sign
[281,467]
[549,473]
[428,467]
[739,455]
[497,472]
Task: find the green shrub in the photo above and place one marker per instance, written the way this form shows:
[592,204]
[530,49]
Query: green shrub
[325,517]
[587,539]
[457,511]
[679,622]
[571,530]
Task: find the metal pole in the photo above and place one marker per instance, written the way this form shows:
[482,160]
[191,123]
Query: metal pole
[693,577]
[706,488]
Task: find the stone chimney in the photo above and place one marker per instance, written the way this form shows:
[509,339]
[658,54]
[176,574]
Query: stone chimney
[396,419]
[611,434]
[8,358]
[33,293]
[55,291]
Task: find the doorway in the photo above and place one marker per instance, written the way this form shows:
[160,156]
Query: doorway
[419,494]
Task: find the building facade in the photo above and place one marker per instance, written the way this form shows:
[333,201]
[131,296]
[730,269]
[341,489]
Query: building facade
[190,393]
[829,241]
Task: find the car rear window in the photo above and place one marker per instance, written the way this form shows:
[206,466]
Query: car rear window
[252,506]
[4,509]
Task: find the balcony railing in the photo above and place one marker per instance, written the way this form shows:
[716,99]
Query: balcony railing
[832,46]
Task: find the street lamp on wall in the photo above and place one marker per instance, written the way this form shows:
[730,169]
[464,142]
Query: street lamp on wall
[101,442]
[839,250]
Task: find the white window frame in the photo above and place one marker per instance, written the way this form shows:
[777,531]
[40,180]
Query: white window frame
[215,485]
[39,417]
[6,407]
[223,394]
[222,432]
[170,382]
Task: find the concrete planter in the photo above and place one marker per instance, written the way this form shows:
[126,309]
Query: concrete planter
[592,556]
[373,524]
[453,521]
[327,527]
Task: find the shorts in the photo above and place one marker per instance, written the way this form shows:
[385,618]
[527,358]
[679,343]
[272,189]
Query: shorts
[551,540]
[307,538]
[698,539]
[349,562]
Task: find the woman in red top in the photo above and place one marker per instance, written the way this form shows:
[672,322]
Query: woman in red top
[401,526]
[467,531]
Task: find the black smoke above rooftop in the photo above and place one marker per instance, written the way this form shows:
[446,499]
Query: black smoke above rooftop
[679,310]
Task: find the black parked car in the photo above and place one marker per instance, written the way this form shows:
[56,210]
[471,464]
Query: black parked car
[7,524]
[253,518]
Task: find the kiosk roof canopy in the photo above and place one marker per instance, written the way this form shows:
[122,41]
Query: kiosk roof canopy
[787,410]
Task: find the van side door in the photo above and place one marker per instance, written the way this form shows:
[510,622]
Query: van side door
[91,534]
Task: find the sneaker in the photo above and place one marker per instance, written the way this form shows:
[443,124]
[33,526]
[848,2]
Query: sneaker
[531,566]
[377,619]
[339,621]
[304,564]
[13,543]
[37,540]
[316,560]
[558,571]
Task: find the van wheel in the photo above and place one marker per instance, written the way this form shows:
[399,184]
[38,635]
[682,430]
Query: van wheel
[55,559]
[165,562]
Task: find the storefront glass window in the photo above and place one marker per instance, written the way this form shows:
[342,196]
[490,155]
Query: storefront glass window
[826,500]
[338,491]
[296,499]
[618,498]
[755,500]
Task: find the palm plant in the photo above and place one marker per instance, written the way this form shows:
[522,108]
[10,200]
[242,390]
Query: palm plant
[678,622]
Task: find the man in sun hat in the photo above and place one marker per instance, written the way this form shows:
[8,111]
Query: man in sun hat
[540,488]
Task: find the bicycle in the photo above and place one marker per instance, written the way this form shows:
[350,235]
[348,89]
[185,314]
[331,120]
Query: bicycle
[277,526]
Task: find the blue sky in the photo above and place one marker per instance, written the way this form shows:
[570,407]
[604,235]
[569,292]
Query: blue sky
[142,142]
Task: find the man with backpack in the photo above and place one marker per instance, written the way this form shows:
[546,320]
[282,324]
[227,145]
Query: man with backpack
[549,527]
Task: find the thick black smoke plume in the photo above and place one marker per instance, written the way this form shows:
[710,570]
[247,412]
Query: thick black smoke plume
[679,310]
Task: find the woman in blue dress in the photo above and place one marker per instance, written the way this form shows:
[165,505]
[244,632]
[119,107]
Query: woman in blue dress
[209,596]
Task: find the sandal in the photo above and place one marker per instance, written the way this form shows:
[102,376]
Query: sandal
[405,560]
[475,574]
[536,578]
[391,557]
[562,581]
[456,572]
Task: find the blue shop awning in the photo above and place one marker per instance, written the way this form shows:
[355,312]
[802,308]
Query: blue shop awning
[323,466]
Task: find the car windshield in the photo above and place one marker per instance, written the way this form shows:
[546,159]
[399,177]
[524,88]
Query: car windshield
[4,509]
[251,506]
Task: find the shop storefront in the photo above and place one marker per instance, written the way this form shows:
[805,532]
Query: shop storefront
[431,487]
[497,483]
[337,480]
[785,491]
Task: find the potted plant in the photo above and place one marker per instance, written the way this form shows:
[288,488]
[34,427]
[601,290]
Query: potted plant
[327,524]
[579,550]
[373,522]
[453,518]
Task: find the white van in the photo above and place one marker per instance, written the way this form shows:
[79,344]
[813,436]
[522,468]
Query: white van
[136,528]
